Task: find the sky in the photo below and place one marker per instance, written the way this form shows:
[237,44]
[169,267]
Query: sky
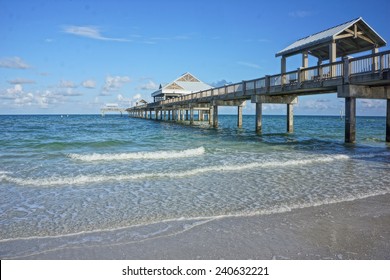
[75,56]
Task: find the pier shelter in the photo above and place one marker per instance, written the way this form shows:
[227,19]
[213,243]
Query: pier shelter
[331,45]
[365,76]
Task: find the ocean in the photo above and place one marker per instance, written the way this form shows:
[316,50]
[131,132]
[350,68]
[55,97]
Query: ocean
[85,180]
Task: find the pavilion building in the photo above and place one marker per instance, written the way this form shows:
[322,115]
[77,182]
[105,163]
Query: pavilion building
[185,84]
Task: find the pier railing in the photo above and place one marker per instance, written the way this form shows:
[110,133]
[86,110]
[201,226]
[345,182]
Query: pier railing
[293,80]
[370,63]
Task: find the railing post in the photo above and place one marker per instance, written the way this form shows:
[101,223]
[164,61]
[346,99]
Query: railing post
[346,69]
[283,71]
[267,83]
[374,60]
[382,63]
[243,87]
[299,76]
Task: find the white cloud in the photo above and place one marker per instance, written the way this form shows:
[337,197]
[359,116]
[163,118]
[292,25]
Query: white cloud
[89,84]
[67,84]
[248,64]
[137,96]
[221,83]
[21,81]
[25,100]
[67,92]
[274,107]
[92,32]
[13,62]
[317,104]
[114,83]
[372,103]
[15,90]
[150,85]
[18,97]
[121,98]
[300,14]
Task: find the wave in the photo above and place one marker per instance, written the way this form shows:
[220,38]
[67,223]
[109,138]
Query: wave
[139,155]
[62,145]
[86,179]
[372,155]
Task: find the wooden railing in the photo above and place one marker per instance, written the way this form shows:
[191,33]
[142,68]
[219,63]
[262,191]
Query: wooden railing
[370,63]
[346,68]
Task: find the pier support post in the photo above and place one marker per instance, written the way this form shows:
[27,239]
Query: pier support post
[350,120]
[215,117]
[211,115]
[169,115]
[259,108]
[290,118]
[191,116]
[187,115]
[388,121]
[200,116]
[239,116]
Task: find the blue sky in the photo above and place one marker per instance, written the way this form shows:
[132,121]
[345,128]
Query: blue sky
[75,56]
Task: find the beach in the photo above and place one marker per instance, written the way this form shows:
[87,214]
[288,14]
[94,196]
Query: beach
[354,230]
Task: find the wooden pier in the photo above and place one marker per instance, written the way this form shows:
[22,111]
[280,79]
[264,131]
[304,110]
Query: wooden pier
[367,76]
[112,108]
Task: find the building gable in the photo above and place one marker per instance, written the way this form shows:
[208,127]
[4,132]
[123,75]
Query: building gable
[188,78]
[174,86]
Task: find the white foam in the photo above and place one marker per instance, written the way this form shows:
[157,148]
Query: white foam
[85,179]
[372,155]
[140,155]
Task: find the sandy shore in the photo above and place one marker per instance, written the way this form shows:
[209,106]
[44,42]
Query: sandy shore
[357,229]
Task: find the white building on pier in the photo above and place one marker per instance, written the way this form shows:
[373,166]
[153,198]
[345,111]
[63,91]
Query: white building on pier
[185,84]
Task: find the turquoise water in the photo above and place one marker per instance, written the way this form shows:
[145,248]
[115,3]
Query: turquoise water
[64,176]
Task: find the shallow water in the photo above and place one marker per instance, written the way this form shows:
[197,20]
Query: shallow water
[67,176]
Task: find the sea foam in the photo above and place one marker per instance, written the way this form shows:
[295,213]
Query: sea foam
[86,179]
[139,155]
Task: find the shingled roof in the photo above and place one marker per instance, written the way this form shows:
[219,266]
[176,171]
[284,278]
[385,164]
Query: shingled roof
[351,37]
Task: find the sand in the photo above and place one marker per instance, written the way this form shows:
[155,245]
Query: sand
[357,229]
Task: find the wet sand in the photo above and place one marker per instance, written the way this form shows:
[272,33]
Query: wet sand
[357,229]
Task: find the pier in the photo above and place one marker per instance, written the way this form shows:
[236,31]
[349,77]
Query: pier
[366,76]
[112,108]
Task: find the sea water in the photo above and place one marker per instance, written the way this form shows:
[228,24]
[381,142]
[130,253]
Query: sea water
[84,180]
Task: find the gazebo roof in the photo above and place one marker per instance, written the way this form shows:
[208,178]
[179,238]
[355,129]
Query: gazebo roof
[351,37]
